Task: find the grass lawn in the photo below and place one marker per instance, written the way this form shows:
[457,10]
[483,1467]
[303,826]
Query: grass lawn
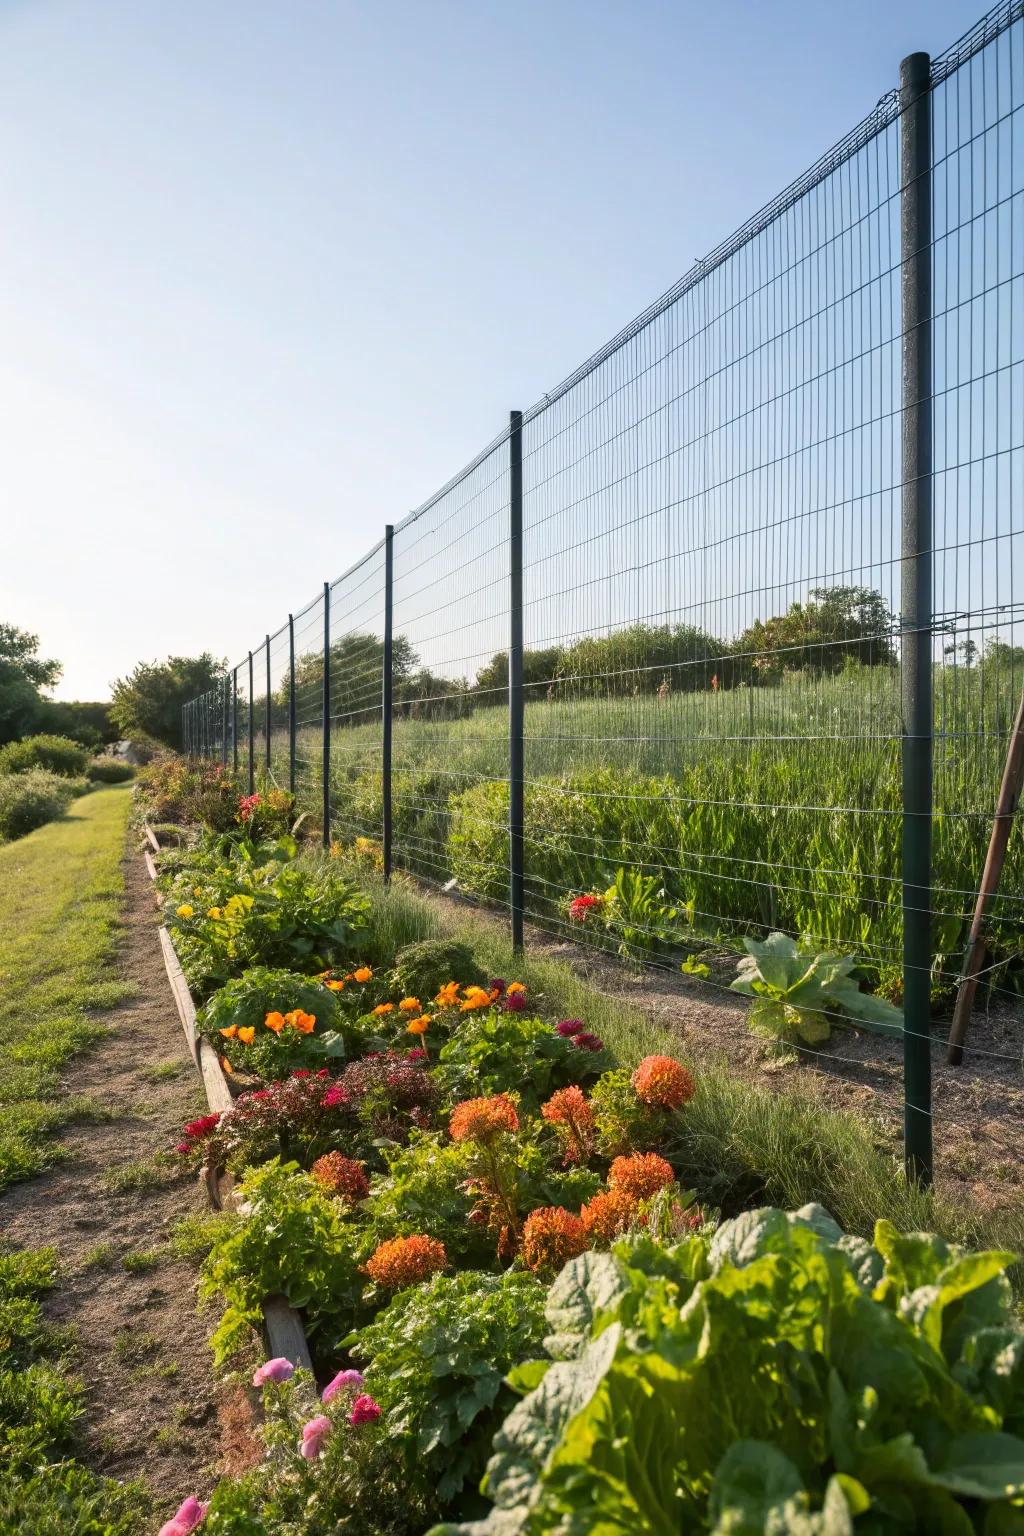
[60,888]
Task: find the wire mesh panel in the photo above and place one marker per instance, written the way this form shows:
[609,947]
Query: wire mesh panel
[451,626]
[356,686]
[259,712]
[978,351]
[244,705]
[309,702]
[279,709]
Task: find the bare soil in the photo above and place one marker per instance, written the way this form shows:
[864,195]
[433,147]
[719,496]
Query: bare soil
[977,1107]
[152,1409]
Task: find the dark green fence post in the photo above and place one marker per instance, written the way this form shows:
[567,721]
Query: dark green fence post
[234,721]
[224,724]
[252,732]
[916,605]
[387,690]
[327,715]
[515,680]
[267,711]
[291,704]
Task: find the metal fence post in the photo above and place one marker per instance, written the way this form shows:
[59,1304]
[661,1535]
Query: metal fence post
[916,604]
[291,704]
[184,728]
[387,690]
[515,679]
[234,720]
[327,715]
[224,724]
[266,712]
[252,733]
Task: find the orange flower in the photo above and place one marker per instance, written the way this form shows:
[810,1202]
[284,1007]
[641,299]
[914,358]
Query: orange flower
[362,974]
[483,1119]
[335,986]
[514,987]
[476,997]
[552,1236]
[303,1022]
[569,1111]
[341,1176]
[324,975]
[418,1026]
[275,1021]
[383,1008]
[230,1032]
[641,1175]
[448,995]
[226,1066]
[247,1034]
[662,1082]
[410,1005]
[404,1261]
[608,1214]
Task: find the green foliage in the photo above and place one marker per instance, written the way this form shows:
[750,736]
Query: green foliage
[86,721]
[148,701]
[624,1124]
[109,770]
[294,1242]
[422,969]
[784,1377]
[23,677]
[245,1001]
[57,754]
[29,800]
[424,1190]
[496,1052]
[436,1358]
[799,990]
[637,913]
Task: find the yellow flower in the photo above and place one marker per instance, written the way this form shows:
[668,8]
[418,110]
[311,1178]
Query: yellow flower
[246,1034]
[410,1005]
[215,913]
[197,890]
[186,911]
[362,974]
[383,1008]
[335,986]
[475,997]
[513,987]
[448,995]
[418,1026]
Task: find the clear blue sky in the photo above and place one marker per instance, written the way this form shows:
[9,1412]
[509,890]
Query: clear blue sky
[272,272]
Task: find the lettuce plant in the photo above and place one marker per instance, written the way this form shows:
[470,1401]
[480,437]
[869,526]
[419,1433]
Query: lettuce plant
[797,990]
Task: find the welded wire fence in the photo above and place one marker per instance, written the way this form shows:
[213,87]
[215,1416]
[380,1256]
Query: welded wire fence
[722,636]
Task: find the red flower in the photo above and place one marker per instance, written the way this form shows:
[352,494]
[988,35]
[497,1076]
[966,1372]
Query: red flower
[196,1129]
[662,1082]
[588,1042]
[552,1236]
[570,1113]
[582,906]
[248,805]
[569,1027]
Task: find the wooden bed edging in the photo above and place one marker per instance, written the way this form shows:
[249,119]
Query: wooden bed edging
[281,1323]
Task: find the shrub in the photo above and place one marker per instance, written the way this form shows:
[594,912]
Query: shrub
[109,770]
[57,754]
[422,969]
[29,800]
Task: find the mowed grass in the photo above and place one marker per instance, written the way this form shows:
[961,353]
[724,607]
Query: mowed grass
[60,890]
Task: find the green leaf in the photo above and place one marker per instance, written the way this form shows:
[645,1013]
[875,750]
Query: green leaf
[587,1286]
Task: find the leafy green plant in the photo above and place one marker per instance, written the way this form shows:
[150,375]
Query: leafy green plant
[422,969]
[495,1052]
[780,1377]
[294,1242]
[244,1003]
[436,1358]
[636,911]
[797,989]
[424,1190]
[56,754]
[624,1123]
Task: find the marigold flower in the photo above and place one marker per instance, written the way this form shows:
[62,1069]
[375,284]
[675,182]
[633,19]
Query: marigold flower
[582,906]
[246,1034]
[410,1005]
[362,974]
[418,1026]
[190,1514]
[475,997]
[230,1031]
[663,1082]
[215,913]
[364,1411]
[226,1066]
[551,1236]
[275,1021]
[335,986]
[382,1008]
[405,1261]
[345,1380]
[313,1436]
[448,995]
[185,910]
[342,1176]
[483,1119]
[641,1174]
[607,1215]
[514,987]
[303,1022]
[277,1370]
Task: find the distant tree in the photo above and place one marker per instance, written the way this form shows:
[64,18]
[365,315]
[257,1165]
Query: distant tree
[86,721]
[23,677]
[834,626]
[540,669]
[998,653]
[149,700]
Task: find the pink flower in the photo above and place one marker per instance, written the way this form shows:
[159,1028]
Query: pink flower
[313,1436]
[341,1381]
[202,1127]
[364,1411]
[277,1370]
[333,1097]
[514,1002]
[183,1147]
[190,1514]
[569,1027]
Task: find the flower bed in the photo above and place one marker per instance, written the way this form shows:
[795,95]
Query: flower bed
[475,1212]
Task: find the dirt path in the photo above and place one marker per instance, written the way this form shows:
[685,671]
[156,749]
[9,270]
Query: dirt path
[108,1209]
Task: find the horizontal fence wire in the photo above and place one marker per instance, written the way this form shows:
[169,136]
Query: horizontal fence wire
[711,569]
